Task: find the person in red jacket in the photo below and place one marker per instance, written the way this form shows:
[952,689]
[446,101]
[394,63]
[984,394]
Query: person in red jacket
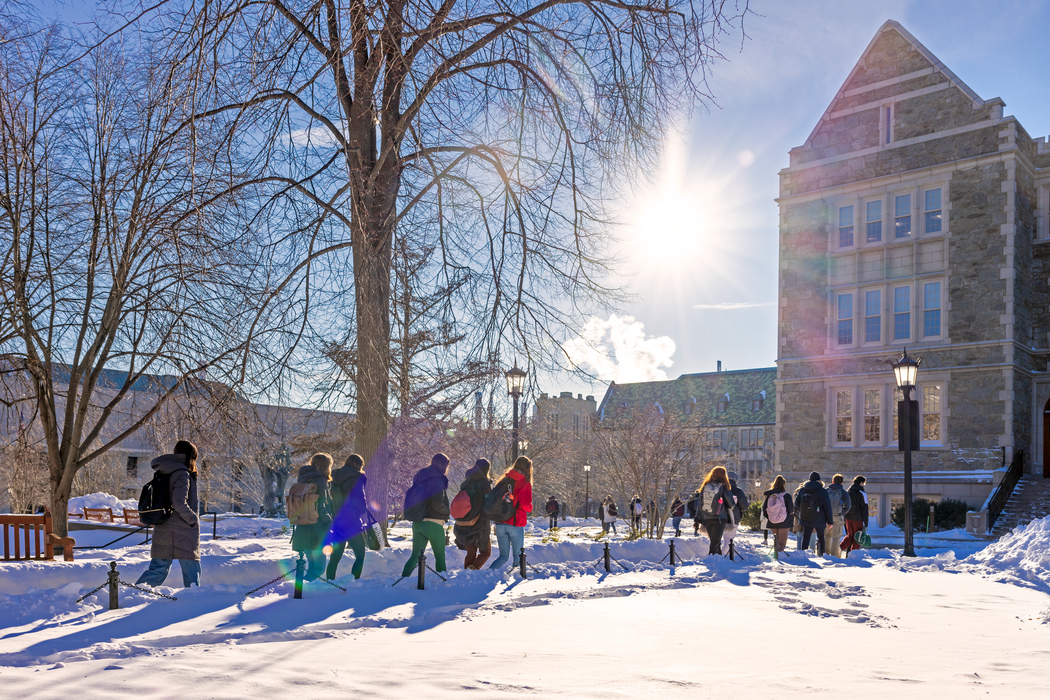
[510,534]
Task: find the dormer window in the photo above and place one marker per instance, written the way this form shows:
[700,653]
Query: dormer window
[690,405]
[758,401]
[723,404]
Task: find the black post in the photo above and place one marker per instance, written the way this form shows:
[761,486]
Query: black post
[300,572]
[421,575]
[114,599]
[214,519]
[515,431]
[765,537]
[608,557]
[672,554]
[732,552]
[587,496]
[905,430]
[521,561]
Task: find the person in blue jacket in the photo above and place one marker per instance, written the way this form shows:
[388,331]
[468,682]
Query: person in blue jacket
[813,508]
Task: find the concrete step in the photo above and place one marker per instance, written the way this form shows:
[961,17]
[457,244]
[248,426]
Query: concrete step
[1029,501]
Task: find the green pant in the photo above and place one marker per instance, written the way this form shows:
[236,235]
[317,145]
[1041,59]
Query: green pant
[423,532]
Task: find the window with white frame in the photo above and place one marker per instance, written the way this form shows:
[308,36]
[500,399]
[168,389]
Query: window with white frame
[862,406]
[844,321]
[843,416]
[846,226]
[932,210]
[902,216]
[931,309]
[901,313]
[873,221]
[872,316]
[872,415]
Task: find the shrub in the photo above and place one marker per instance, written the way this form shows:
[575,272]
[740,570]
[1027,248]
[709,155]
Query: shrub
[948,514]
[752,517]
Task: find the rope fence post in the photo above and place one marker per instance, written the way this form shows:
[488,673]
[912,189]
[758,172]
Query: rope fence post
[672,557]
[421,579]
[114,582]
[608,557]
[300,571]
[521,563]
[732,552]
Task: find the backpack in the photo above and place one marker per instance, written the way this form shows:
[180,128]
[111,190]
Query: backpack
[155,500]
[711,501]
[462,507]
[302,504]
[416,503]
[808,508]
[776,508]
[840,502]
[499,502]
[637,507]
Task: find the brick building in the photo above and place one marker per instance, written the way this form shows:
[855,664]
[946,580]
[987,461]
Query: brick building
[915,215]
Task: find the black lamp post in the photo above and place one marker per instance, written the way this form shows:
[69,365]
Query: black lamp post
[905,370]
[587,490]
[515,385]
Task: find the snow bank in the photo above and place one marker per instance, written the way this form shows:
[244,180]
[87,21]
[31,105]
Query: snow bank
[1023,555]
[101,500]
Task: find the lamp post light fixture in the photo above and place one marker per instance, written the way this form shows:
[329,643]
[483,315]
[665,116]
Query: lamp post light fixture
[905,371]
[587,490]
[515,385]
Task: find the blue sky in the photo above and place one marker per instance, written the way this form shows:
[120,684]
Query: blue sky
[712,294]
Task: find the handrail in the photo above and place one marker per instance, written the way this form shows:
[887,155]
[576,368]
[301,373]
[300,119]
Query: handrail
[1005,488]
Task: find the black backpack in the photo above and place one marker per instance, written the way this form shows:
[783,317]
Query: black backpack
[499,502]
[416,502]
[155,500]
[808,508]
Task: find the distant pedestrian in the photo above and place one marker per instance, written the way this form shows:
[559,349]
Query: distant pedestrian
[349,515]
[857,515]
[178,537]
[716,506]
[814,512]
[840,505]
[693,508]
[609,514]
[778,512]
[427,500]
[677,512]
[313,521]
[553,509]
[635,509]
[474,535]
[510,534]
[741,504]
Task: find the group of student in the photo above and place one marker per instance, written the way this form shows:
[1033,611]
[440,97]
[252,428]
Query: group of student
[815,510]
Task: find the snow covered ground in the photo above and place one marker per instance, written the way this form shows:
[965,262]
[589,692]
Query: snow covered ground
[965,618]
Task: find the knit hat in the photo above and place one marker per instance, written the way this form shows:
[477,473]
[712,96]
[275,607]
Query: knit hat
[814,476]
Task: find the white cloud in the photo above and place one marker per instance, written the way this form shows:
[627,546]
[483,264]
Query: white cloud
[619,350]
[316,136]
[733,305]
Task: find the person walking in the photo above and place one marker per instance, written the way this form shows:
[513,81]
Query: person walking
[553,509]
[814,512]
[309,537]
[609,514]
[349,515]
[716,506]
[178,537]
[677,512]
[857,515]
[840,505]
[635,511]
[427,496]
[693,507]
[741,504]
[510,534]
[778,512]
[475,538]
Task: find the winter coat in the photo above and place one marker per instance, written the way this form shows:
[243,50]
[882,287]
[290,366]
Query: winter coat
[693,506]
[725,513]
[435,486]
[553,507]
[787,504]
[838,514]
[522,491]
[677,508]
[311,537]
[178,537]
[349,507]
[741,501]
[823,516]
[858,510]
[478,535]
[609,512]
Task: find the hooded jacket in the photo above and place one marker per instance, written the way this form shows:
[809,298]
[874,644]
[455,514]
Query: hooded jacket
[309,537]
[858,510]
[435,485]
[522,490]
[478,535]
[349,507]
[178,537]
[823,516]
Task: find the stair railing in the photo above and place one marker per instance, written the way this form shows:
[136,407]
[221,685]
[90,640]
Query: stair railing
[1005,488]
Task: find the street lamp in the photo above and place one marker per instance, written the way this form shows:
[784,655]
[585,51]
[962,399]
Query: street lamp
[904,371]
[515,385]
[587,490]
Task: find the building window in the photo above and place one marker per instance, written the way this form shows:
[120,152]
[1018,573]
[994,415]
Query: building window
[872,316]
[843,416]
[846,227]
[845,319]
[761,438]
[898,396]
[888,116]
[901,313]
[932,209]
[723,404]
[757,402]
[133,466]
[576,425]
[873,220]
[872,415]
[721,439]
[902,216]
[931,413]
[931,309]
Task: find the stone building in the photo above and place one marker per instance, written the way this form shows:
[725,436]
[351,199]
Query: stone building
[915,215]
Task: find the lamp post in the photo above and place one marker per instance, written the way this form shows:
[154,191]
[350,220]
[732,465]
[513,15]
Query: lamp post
[904,371]
[515,385]
[587,490]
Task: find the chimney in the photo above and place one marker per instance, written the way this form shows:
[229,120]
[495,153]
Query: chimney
[719,366]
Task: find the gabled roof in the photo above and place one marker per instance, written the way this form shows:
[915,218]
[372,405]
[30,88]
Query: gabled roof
[705,389]
[919,55]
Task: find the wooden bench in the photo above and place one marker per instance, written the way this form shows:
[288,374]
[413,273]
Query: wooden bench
[34,531]
[131,517]
[98,515]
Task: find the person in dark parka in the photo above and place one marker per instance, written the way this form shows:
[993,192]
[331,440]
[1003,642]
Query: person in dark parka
[431,529]
[310,538]
[857,515]
[178,537]
[350,515]
[476,539]
[821,518]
